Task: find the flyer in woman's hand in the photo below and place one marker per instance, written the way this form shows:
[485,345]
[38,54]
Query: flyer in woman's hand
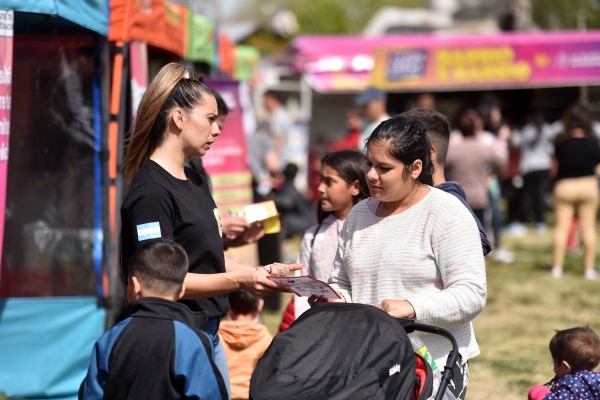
[305,286]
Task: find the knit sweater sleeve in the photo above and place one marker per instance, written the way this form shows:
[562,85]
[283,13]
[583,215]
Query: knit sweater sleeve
[459,260]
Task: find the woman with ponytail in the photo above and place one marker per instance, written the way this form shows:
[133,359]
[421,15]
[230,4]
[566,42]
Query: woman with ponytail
[177,119]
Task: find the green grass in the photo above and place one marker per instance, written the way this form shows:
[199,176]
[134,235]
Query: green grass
[525,305]
[273,318]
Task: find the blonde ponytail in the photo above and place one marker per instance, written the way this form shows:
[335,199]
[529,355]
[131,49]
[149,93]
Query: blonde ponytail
[144,139]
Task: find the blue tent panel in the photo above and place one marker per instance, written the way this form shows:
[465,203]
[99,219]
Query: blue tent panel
[47,345]
[91,14]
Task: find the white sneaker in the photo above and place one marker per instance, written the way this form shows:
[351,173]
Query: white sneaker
[503,256]
[540,229]
[556,272]
[515,229]
[591,274]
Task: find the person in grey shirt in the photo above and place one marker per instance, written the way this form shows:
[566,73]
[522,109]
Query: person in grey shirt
[263,159]
[373,103]
[280,124]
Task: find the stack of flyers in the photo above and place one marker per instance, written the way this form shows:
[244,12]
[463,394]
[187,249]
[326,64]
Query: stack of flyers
[265,212]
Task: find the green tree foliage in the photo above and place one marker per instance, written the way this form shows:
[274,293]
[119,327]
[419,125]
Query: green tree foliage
[334,16]
[566,14]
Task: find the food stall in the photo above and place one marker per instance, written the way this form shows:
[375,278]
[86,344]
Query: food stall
[545,70]
[70,74]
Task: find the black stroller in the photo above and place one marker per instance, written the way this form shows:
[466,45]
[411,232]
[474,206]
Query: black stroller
[342,351]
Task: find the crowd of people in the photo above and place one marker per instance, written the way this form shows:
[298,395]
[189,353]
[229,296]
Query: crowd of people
[515,174]
[405,206]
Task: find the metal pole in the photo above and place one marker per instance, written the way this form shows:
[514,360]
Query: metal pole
[116,134]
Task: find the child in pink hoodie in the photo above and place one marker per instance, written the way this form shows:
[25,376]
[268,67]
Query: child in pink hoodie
[575,352]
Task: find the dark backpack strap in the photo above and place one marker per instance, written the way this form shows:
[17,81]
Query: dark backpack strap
[312,242]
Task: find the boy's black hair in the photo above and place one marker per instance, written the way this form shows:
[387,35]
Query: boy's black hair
[161,265]
[290,171]
[243,303]
[579,346]
[438,130]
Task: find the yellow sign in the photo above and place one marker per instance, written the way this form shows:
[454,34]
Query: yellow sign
[474,65]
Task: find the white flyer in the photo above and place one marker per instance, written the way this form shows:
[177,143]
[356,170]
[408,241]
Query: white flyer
[306,286]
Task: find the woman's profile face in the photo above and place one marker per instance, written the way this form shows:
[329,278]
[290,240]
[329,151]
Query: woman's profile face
[386,175]
[200,129]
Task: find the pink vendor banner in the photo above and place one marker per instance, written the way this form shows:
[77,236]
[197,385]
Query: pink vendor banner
[6,58]
[226,161]
[502,61]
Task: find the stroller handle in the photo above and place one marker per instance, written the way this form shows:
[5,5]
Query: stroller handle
[410,326]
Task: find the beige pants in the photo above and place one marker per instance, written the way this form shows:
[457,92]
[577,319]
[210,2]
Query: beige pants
[575,195]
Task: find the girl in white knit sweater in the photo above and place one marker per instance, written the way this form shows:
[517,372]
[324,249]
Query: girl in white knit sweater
[413,250]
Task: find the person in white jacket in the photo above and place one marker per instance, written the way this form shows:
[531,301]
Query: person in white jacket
[535,142]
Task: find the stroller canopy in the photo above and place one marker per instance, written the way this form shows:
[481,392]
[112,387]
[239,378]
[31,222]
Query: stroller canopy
[337,351]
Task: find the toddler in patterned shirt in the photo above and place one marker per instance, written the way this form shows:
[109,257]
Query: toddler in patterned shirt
[575,352]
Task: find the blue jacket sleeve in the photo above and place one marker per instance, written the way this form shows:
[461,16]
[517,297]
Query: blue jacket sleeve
[94,382]
[194,365]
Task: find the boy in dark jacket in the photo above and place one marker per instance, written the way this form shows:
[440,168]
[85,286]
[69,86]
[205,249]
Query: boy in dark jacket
[155,353]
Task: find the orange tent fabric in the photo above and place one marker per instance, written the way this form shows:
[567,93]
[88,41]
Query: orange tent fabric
[159,23]
[226,54]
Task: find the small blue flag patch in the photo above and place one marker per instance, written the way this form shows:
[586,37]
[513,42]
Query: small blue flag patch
[148,231]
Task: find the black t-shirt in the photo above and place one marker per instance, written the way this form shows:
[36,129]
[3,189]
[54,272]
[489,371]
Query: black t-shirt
[158,205]
[577,157]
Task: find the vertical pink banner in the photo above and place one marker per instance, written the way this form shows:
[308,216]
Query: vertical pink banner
[226,161]
[6,59]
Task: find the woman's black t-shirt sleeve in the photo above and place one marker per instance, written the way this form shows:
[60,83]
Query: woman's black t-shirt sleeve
[149,215]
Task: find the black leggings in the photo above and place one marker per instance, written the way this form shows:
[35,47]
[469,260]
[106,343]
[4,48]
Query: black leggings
[535,187]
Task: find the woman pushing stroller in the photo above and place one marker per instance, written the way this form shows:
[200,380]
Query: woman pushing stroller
[412,250]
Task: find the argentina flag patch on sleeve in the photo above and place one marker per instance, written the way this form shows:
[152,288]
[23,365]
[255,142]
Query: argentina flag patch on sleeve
[147,231]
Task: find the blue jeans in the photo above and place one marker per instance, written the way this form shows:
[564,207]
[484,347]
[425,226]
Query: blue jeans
[212,330]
